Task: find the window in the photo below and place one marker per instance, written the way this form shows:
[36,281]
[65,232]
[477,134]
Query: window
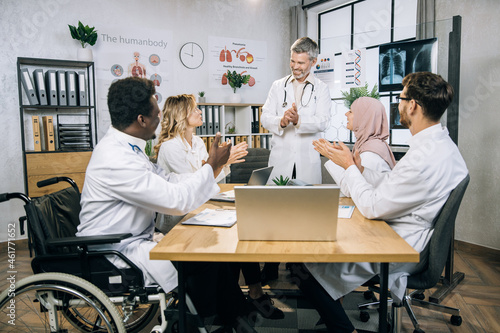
[364,24]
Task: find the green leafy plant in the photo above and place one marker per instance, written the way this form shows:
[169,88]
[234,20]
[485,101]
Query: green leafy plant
[280,181]
[230,128]
[236,80]
[84,34]
[201,93]
[355,93]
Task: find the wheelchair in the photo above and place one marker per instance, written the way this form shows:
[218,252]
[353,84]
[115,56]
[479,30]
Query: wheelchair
[75,288]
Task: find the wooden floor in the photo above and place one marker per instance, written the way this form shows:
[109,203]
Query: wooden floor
[478,296]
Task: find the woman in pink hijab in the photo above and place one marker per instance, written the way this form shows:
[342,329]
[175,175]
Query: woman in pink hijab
[368,121]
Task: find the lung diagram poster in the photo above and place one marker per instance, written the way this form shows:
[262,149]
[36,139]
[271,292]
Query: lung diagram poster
[246,57]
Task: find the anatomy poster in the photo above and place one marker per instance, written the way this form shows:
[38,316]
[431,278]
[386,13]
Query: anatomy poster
[354,68]
[246,57]
[147,54]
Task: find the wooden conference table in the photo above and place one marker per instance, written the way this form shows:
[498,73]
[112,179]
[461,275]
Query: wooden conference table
[358,240]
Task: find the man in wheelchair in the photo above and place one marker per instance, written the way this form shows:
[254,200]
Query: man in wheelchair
[123,191]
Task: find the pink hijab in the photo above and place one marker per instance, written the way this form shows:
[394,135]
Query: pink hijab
[371,128]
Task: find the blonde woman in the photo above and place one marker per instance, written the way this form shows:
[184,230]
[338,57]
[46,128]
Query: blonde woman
[180,151]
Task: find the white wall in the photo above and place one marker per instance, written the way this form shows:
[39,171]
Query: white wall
[479,123]
[38,28]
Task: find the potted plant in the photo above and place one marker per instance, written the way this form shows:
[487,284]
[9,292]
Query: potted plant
[201,97]
[230,128]
[280,181]
[355,93]
[235,81]
[85,35]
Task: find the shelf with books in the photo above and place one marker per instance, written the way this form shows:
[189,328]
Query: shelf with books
[55,95]
[236,122]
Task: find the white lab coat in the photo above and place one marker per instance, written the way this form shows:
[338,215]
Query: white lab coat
[408,198]
[369,160]
[123,191]
[293,144]
[176,155]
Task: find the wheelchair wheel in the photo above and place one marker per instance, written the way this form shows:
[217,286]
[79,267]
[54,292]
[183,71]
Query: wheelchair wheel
[39,303]
[141,317]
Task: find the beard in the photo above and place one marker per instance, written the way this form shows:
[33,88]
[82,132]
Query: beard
[404,119]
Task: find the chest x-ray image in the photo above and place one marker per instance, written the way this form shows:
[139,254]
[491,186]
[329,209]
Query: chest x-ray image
[396,60]
[392,66]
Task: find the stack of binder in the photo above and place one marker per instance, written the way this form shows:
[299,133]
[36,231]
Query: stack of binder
[211,120]
[73,136]
[55,87]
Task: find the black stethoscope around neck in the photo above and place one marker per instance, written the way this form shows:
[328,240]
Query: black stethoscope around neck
[302,96]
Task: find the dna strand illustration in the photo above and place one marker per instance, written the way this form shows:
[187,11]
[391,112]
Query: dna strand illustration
[357,67]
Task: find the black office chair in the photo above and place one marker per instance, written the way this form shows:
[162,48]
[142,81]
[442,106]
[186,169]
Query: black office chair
[240,172]
[430,274]
[114,299]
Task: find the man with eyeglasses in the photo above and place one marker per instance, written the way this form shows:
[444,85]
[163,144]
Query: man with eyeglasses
[408,198]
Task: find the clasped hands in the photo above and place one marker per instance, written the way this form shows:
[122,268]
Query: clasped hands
[290,116]
[338,153]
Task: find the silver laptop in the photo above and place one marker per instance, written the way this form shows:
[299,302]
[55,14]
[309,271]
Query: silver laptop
[258,177]
[287,213]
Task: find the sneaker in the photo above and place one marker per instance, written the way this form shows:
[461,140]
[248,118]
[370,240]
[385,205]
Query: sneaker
[265,306]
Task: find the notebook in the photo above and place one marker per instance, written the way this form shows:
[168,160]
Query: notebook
[287,213]
[258,177]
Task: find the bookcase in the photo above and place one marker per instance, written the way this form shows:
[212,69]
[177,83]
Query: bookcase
[58,120]
[235,121]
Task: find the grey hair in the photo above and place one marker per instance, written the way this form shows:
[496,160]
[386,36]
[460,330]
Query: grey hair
[305,44]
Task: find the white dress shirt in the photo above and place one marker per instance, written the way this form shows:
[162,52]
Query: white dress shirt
[408,198]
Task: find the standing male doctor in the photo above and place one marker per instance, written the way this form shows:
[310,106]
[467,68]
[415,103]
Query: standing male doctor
[296,112]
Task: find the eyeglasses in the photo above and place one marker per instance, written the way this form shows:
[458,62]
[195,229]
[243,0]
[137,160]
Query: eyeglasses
[399,99]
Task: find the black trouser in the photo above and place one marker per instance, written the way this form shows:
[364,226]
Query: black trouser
[250,270]
[331,311]
[214,289]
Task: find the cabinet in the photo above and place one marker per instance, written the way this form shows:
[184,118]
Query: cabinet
[58,120]
[236,122]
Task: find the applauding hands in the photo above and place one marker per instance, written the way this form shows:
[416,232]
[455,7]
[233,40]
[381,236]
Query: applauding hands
[290,116]
[338,153]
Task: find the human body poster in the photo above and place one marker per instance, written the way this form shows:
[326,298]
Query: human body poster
[246,57]
[147,54]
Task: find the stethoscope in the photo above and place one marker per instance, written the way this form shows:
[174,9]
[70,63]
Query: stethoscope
[302,96]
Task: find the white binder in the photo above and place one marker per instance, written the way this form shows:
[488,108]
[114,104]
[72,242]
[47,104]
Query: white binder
[82,89]
[28,86]
[40,86]
[51,86]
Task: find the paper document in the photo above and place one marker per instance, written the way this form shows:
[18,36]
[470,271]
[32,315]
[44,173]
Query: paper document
[345,212]
[213,218]
[224,196]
